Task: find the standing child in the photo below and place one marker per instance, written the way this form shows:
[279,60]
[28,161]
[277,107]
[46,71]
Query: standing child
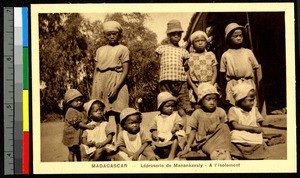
[111,70]
[75,121]
[209,132]
[245,119]
[202,64]
[133,142]
[172,75]
[238,62]
[96,143]
[167,128]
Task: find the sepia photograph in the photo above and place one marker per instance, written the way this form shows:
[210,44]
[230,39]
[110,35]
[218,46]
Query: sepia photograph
[163,88]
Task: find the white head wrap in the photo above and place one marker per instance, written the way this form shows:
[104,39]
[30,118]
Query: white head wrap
[112,26]
[241,90]
[197,34]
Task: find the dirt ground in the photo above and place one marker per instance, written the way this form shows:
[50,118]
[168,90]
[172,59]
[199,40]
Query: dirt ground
[52,149]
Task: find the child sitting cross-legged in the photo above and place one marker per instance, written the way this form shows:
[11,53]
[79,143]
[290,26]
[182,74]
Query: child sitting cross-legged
[245,119]
[133,143]
[167,128]
[209,131]
[96,143]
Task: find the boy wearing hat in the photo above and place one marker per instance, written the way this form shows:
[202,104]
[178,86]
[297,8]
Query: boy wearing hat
[75,122]
[96,143]
[238,64]
[172,75]
[167,127]
[133,143]
[209,132]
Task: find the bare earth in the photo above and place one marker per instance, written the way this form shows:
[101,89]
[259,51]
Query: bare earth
[53,150]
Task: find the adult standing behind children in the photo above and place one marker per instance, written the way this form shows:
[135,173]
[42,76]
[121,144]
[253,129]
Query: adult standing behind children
[172,75]
[111,70]
[238,62]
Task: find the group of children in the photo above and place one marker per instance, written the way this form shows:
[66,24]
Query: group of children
[189,118]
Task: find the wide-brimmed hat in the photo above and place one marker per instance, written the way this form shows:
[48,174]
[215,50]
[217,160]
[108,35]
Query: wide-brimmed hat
[163,97]
[241,90]
[87,106]
[112,26]
[128,112]
[71,94]
[174,26]
[205,89]
[232,26]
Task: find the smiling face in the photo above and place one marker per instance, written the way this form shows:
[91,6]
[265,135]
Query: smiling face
[132,124]
[247,103]
[77,102]
[168,107]
[112,37]
[97,112]
[209,102]
[237,37]
[200,43]
[175,37]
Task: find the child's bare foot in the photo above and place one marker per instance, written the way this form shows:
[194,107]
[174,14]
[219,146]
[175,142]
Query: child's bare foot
[171,157]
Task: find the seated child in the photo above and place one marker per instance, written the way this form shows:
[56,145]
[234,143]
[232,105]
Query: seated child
[246,134]
[167,133]
[96,143]
[209,132]
[132,142]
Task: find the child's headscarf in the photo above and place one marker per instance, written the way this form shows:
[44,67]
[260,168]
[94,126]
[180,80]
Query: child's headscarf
[197,34]
[112,26]
[241,90]
[205,89]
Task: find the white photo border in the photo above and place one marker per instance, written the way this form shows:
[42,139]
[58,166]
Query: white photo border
[242,166]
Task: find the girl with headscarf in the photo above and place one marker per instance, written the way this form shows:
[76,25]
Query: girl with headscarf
[202,64]
[111,70]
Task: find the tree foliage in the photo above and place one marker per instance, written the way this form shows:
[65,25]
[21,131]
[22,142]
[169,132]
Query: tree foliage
[68,44]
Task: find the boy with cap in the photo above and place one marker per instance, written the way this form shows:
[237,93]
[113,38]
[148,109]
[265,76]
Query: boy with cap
[132,142]
[75,122]
[172,75]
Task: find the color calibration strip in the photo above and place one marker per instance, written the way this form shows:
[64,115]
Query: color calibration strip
[16,116]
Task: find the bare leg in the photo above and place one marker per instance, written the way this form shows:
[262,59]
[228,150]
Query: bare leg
[77,153]
[98,154]
[173,150]
[71,154]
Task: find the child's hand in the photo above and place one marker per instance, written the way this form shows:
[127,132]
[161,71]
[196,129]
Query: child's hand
[175,129]
[155,136]
[91,127]
[135,157]
[91,144]
[257,130]
[183,152]
[99,145]
[112,95]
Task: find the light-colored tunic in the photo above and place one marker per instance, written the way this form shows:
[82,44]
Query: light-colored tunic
[108,71]
[98,134]
[245,118]
[238,65]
